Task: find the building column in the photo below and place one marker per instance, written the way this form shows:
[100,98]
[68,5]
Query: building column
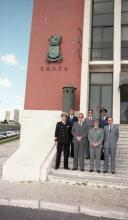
[117,61]
[84,89]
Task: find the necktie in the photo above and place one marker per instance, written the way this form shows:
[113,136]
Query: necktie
[110,128]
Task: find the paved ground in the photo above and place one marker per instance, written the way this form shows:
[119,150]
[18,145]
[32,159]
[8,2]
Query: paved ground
[97,201]
[9,213]
[6,150]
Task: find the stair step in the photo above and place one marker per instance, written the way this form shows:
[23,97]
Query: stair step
[123,167]
[122,146]
[123,142]
[121,132]
[84,178]
[119,162]
[123,127]
[120,167]
[119,152]
[120,179]
[124,139]
[79,173]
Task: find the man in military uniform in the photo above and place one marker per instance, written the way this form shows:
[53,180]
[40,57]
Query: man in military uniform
[96,137]
[62,139]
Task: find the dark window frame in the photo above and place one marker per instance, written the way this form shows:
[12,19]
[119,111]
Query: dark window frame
[109,12]
[123,25]
[122,7]
[102,42]
[102,48]
[96,84]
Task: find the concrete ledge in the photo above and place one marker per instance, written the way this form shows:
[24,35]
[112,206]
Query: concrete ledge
[59,207]
[41,205]
[34,204]
[103,213]
[4,202]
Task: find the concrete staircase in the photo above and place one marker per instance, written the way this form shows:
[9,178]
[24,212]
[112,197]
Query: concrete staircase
[119,180]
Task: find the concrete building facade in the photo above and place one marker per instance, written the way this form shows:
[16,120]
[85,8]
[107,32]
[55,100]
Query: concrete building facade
[7,115]
[16,115]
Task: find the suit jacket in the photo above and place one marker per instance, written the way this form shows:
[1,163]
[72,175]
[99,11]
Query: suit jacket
[96,136]
[111,138]
[72,121]
[103,123]
[89,123]
[81,131]
[62,132]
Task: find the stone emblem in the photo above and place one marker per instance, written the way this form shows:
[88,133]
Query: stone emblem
[54,54]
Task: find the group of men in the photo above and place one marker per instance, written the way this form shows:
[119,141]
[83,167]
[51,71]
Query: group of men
[88,138]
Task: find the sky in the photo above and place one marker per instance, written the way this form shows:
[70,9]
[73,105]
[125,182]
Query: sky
[15,27]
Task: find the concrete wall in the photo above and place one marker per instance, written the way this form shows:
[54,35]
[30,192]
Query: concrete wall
[44,88]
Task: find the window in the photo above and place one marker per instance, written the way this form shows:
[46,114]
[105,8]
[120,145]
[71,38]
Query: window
[124,18]
[124,42]
[102,30]
[102,19]
[97,1]
[103,7]
[100,85]
[102,43]
[124,30]
[124,6]
[101,78]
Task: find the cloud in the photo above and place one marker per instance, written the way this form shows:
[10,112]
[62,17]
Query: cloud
[10,59]
[4,82]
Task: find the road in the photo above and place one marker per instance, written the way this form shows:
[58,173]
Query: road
[14,213]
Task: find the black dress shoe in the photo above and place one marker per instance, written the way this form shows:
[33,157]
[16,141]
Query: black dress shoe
[98,171]
[113,172]
[82,170]
[105,171]
[91,171]
[74,169]
[56,168]
[66,168]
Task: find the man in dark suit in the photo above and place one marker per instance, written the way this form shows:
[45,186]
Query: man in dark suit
[89,120]
[111,133]
[71,119]
[103,121]
[80,133]
[62,139]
